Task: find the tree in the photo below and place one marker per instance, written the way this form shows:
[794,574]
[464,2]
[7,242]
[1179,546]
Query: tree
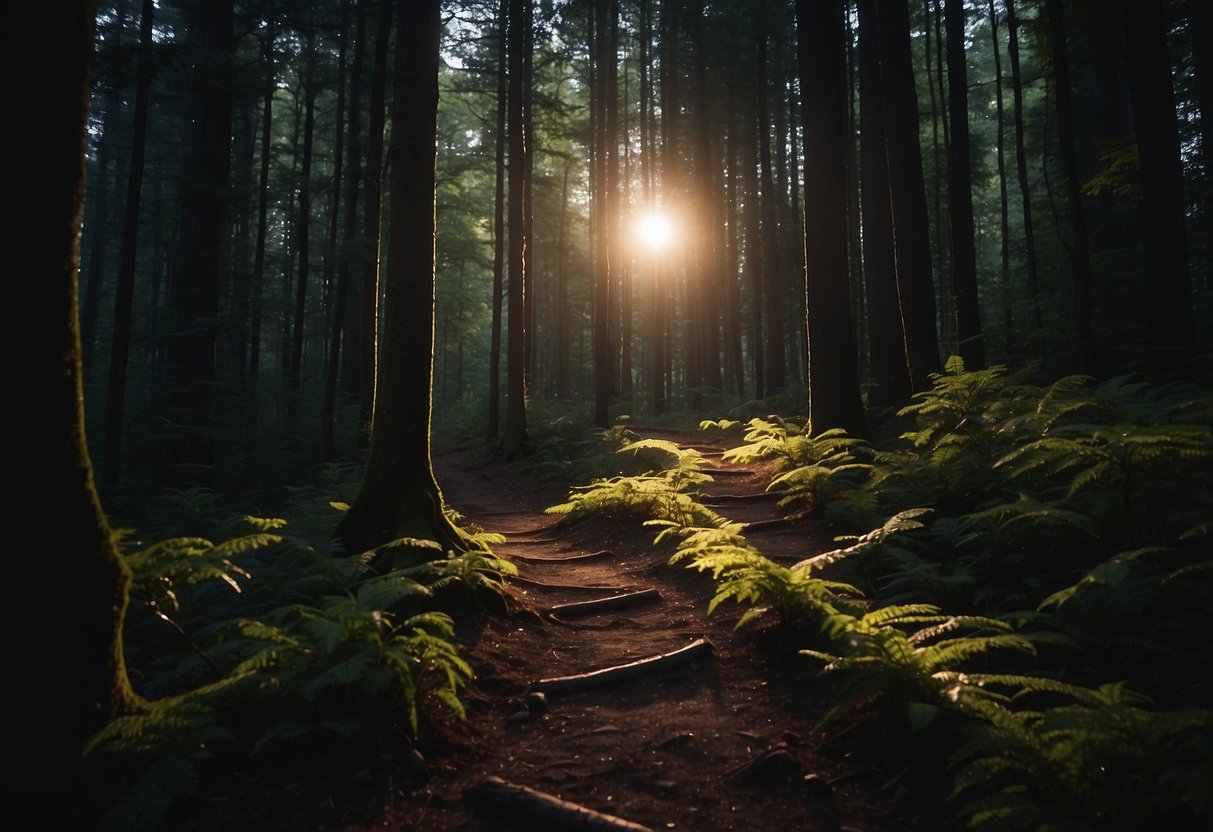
[833,388]
[515,435]
[399,496]
[1021,167]
[907,195]
[960,195]
[1165,249]
[76,658]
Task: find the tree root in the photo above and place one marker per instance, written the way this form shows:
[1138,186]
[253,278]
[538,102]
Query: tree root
[612,602]
[518,579]
[625,672]
[602,553]
[539,809]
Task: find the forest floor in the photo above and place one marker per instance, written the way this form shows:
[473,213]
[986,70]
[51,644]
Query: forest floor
[726,741]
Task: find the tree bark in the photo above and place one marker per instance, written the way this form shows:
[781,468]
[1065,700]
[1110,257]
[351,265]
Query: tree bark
[1021,170]
[833,389]
[971,341]
[776,366]
[497,298]
[399,496]
[82,682]
[515,438]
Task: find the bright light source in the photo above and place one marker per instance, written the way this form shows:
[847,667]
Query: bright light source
[655,230]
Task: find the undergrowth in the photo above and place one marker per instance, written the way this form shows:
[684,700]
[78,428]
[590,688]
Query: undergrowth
[254,637]
[1038,596]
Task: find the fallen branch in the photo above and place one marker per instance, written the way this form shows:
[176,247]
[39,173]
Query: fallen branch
[518,579]
[539,809]
[612,602]
[625,672]
[602,553]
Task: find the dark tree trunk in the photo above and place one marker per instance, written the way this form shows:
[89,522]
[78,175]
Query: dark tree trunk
[911,229]
[367,322]
[205,166]
[515,438]
[1004,242]
[399,495]
[303,235]
[349,230]
[886,338]
[1165,249]
[1021,169]
[776,366]
[960,196]
[604,66]
[833,389]
[124,293]
[496,301]
[1200,18]
[267,113]
[734,354]
[83,682]
[1069,164]
[99,236]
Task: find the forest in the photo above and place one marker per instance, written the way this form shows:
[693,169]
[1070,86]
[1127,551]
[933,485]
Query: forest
[497,415]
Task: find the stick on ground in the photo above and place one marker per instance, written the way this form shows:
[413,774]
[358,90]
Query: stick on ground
[625,672]
[541,810]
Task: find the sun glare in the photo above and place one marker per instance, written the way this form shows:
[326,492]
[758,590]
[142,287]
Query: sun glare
[655,230]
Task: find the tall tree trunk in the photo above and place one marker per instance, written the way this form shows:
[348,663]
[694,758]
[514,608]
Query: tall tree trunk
[99,236]
[776,365]
[1004,242]
[349,230]
[1021,169]
[124,295]
[367,323]
[330,254]
[960,196]
[1069,164]
[496,301]
[82,683]
[1168,284]
[833,390]
[263,192]
[515,438]
[907,195]
[399,496]
[203,230]
[1200,19]
[303,233]
[886,339]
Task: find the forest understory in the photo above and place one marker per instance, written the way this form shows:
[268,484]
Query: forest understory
[725,741]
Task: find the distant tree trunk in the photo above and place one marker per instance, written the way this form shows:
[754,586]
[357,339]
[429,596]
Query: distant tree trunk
[529,304]
[670,192]
[399,496]
[1069,164]
[339,127]
[82,683]
[752,262]
[1165,248]
[205,166]
[1004,242]
[911,229]
[99,236]
[886,338]
[303,232]
[503,22]
[368,306]
[1200,17]
[960,196]
[124,295]
[560,332]
[349,230]
[263,192]
[1021,168]
[706,239]
[776,365]
[604,66]
[734,354]
[833,390]
[515,438]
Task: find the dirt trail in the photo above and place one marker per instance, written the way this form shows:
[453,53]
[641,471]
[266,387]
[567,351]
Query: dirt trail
[674,749]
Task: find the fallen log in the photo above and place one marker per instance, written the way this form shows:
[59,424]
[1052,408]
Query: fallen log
[611,602]
[538,809]
[602,553]
[625,672]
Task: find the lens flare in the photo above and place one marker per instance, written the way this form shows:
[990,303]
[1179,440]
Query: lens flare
[655,230]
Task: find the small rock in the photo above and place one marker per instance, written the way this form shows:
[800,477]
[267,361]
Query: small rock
[519,717]
[536,702]
[776,767]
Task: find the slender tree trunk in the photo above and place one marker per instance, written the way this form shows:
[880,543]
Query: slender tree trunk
[99,236]
[1021,168]
[203,229]
[960,197]
[776,365]
[330,254]
[349,230]
[399,495]
[735,355]
[911,229]
[1200,17]
[1004,242]
[496,301]
[833,390]
[267,114]
[1165,248]
[1069,164]
[303,235]
[82,683]
[124,296]
[886,339]
[368,307]
[515,438]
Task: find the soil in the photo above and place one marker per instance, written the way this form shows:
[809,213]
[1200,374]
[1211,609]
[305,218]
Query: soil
[727,741]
